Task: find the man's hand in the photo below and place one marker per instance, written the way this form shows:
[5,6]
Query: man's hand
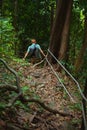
[23,58]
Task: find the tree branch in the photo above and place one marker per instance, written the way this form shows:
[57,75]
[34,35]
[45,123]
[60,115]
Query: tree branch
[9,87]
[42,104]
[37,101]
[13,72]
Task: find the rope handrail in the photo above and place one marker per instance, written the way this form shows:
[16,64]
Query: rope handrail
[60,80]
[83,113]
[84,117]
[69,75]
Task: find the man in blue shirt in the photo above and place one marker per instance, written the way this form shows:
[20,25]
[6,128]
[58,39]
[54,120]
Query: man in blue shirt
[34,50]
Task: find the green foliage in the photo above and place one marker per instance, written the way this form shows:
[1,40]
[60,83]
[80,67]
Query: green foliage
[76,33]
[2,106]
[28,92]
[82,18]
[65,95]
[18,104]
[76,121]
[21,61]
[83,5]
[83,72]
[7,35]
[32,20]
[25,89]
[35,13]
[76,106]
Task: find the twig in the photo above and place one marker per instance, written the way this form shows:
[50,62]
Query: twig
[9,87]
[14,100]
[39,63]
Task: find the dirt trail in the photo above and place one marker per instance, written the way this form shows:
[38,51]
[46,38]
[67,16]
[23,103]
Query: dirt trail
[43,82]
[45,85]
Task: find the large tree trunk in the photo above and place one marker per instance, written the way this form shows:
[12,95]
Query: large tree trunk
[80,58]
[59,29]
[65,33]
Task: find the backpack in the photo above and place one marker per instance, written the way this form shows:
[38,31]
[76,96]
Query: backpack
[32,51]
[35,52]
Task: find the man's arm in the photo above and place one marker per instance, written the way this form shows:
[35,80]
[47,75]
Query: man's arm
[25,55]
[28,50]
[42,52]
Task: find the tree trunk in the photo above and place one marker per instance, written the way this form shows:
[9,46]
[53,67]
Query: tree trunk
[59,29]
[80,58]
[65,33]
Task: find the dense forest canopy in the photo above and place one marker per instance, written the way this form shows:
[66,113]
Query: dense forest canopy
[22,20]
[30,19]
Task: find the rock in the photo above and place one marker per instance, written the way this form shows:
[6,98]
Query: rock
[36,75]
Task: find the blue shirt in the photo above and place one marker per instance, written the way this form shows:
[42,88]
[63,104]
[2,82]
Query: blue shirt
[34,45]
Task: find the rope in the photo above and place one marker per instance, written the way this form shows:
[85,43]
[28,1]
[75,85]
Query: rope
[60,80]
[84,117]
[69,75]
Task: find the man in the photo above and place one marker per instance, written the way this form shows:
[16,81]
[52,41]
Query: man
[34,50]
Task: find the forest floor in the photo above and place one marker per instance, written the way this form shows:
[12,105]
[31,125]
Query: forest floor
[39,82]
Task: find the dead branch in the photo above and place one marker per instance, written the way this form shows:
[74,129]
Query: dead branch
[39,63]
[13,72]
[14,100]
[42,104]
[9,87]
[37,101]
